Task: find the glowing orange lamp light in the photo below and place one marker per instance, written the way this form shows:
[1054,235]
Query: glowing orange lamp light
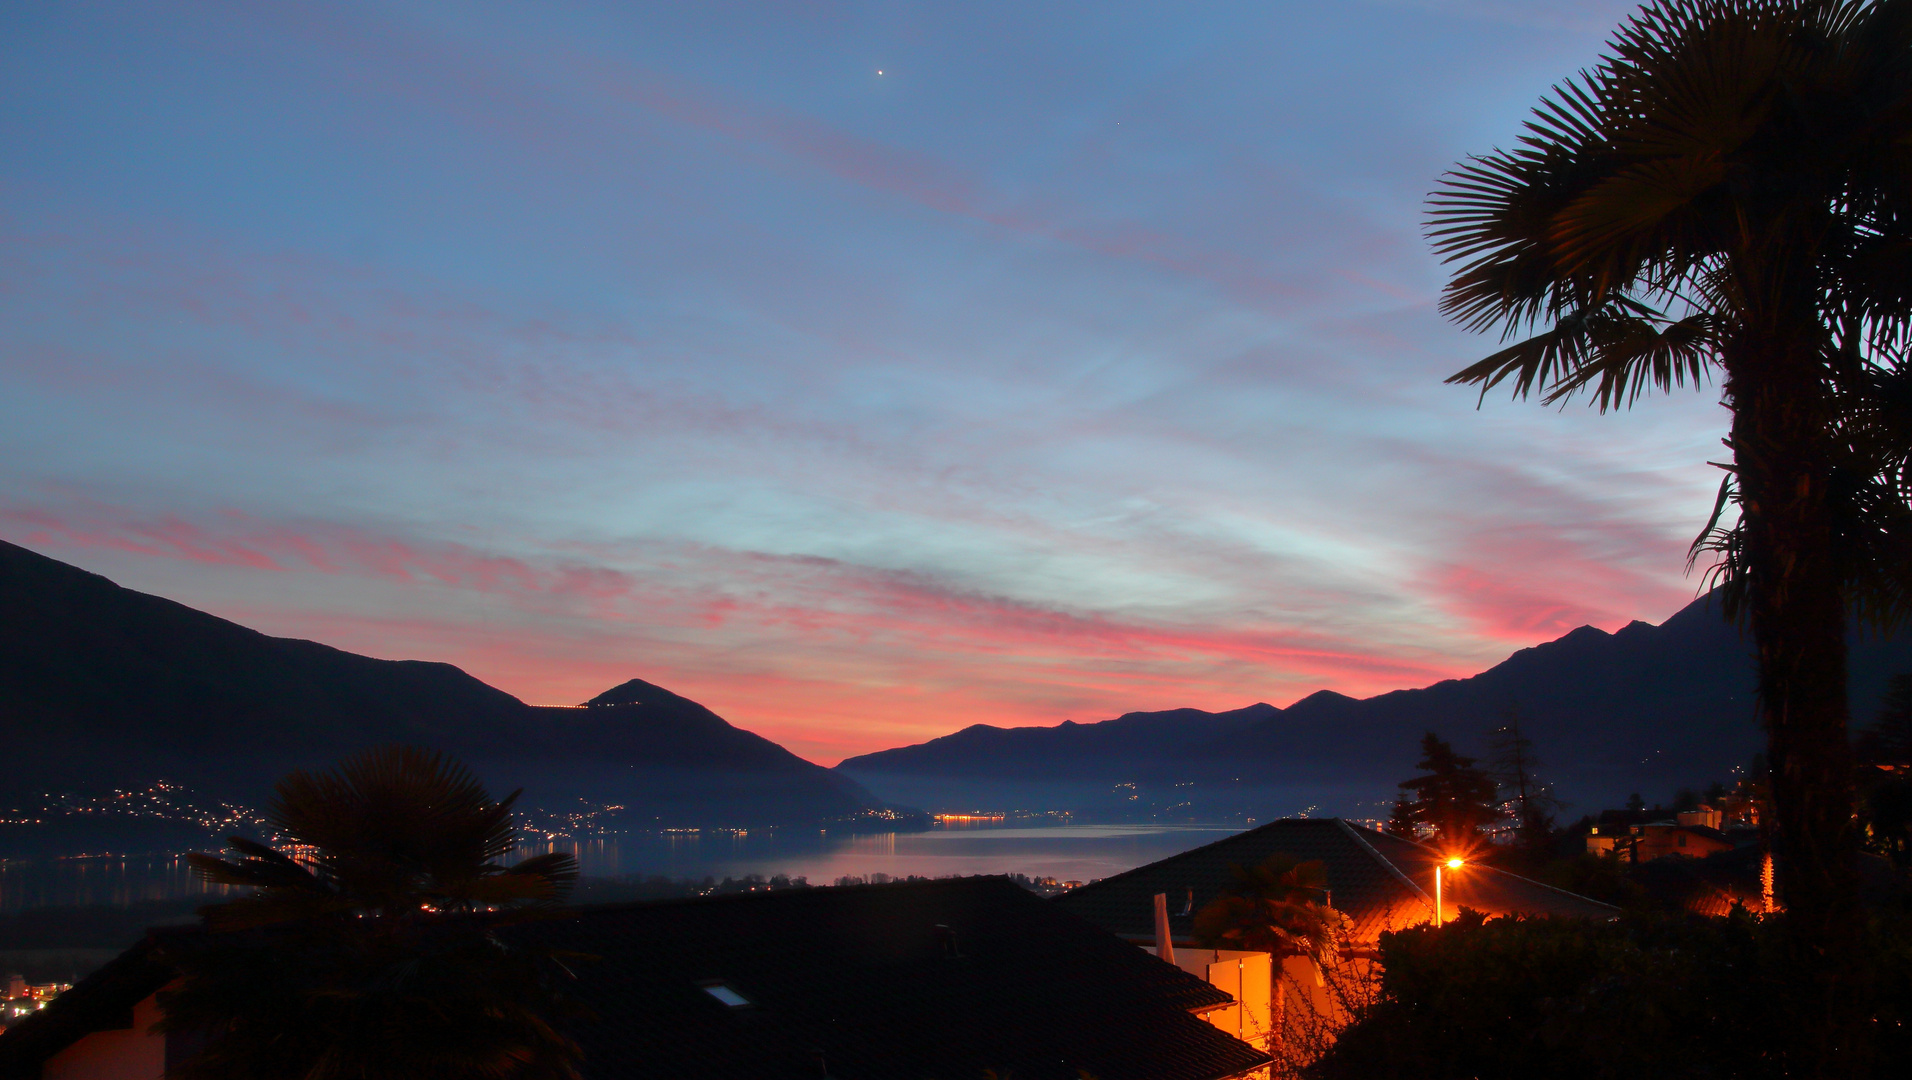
[1451,864]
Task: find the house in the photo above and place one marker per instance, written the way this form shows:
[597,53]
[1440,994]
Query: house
[949,979]
[1379,882]
[99,1029]
[1688,837]
[1376,881]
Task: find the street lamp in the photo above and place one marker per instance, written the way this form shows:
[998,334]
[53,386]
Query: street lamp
[1451,864]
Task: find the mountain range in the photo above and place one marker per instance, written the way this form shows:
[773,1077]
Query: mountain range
[1646,709]
[105,688]
[106,691]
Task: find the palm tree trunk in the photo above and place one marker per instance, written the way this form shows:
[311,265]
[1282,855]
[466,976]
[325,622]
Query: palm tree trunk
[1798,618]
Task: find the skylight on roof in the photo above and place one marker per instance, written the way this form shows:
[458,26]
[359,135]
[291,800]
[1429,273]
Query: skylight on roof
[726,995]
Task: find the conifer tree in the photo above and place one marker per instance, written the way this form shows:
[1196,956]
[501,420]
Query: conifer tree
[1401,823]
[1454,798]
[1888,741]
[1531,802]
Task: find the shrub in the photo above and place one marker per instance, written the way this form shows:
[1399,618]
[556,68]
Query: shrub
[1649,995]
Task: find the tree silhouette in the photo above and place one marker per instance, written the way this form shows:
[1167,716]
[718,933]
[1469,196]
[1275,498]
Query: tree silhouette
[1884,752]
[1279,907]
[1401,821]
[1888,740]
[1533,802]
[1453,798]
[366,948]
[1728,192]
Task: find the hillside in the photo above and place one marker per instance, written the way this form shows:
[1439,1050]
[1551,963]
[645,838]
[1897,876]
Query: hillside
[102,687]
[1647,709]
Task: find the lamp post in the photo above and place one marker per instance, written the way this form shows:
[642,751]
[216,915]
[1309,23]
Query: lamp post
[1451,864]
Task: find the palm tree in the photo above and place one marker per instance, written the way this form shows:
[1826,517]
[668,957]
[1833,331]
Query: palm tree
[366,948]
[1727,193]
[1279,907]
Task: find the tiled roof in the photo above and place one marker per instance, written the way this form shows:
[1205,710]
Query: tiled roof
[1709,886]
[944,979]
[1380,882]
[866,977]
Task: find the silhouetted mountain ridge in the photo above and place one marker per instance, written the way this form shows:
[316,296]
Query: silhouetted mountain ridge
[1645,708]
[101,686]
[1067,751]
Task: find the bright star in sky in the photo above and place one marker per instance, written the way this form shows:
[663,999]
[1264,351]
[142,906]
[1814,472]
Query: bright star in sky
[628,344]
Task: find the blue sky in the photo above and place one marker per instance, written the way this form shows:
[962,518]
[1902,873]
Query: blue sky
[863,371]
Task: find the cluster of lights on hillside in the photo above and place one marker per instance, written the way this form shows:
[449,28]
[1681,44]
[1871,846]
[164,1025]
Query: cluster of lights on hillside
[22,999]
[159,801]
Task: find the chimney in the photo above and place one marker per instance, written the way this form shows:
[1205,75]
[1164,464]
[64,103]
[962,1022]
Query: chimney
[1164,944]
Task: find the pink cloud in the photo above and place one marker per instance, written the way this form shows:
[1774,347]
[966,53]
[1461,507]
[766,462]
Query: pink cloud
[889,655]
[1529,583]
[326,548]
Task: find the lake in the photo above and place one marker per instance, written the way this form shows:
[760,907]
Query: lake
[1063,852]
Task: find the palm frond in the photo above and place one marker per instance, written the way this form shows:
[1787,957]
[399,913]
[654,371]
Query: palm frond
[541,879]
[1619,350]
[1633,354]
[370,954]
[262,868]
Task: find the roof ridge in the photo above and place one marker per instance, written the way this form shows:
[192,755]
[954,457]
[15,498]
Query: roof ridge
[1180,855]
[1486,865]
[1387,862]
[1550,888]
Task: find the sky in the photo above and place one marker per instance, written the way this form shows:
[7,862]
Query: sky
[860,371]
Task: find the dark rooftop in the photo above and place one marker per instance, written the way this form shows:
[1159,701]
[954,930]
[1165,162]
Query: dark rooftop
[946,979]
[1379,881]
[103,1001]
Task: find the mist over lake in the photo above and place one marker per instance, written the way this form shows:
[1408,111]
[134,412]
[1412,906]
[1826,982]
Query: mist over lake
[1063,852]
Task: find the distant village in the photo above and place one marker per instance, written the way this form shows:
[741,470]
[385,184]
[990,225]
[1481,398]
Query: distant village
[899,371]
[1279,936]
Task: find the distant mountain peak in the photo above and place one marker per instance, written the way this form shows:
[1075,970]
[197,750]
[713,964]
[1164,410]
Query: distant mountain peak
[634,692]
[101,687]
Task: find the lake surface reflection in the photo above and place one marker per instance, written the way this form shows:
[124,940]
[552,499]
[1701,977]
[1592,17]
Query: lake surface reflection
[108,880]
[1063,852]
